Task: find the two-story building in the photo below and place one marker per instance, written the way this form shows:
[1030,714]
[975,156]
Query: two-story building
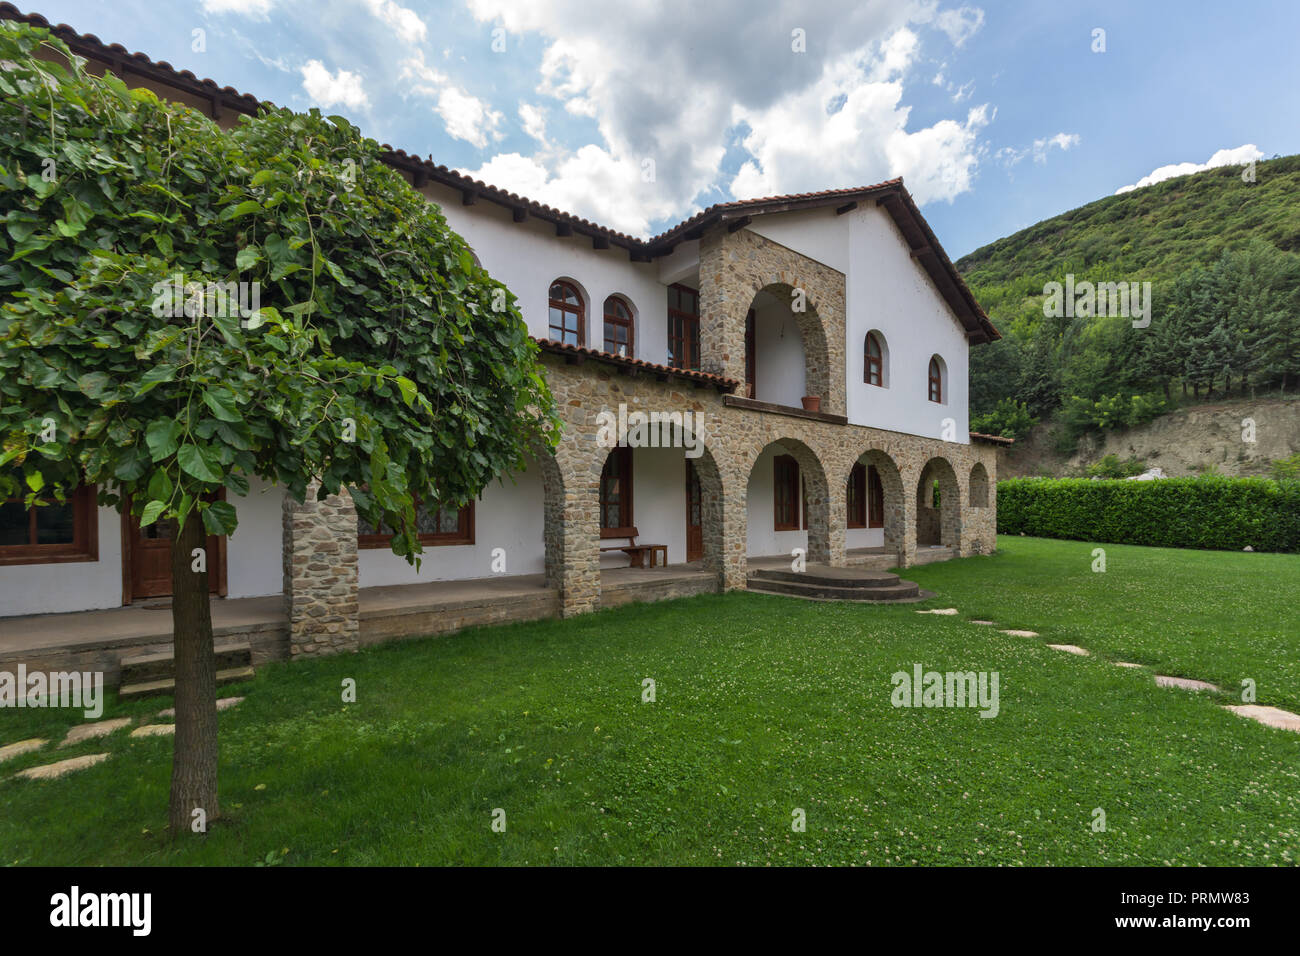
[810,353]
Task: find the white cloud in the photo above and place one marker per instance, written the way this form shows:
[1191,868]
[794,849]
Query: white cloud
[960,25]
[248,8]
[406,23]
[1010,155]
[338,89]
[1224,157]
[651,95]
[534,121]
[464,115]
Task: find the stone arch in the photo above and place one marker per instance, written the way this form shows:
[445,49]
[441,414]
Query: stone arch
[979,486]
[941,525]
[891,481]
[825,535]
[798,302]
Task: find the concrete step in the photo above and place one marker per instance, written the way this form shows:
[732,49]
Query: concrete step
[833,577]
[160,665]
[166,685]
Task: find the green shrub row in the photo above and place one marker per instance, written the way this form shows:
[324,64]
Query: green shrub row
[1226,514]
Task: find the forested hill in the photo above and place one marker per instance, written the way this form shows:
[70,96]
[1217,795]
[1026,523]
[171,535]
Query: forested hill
[1223,259]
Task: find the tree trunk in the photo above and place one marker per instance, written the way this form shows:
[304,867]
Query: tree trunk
[194,760]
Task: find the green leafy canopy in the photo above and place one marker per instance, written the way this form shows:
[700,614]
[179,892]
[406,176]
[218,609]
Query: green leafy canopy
[381,358]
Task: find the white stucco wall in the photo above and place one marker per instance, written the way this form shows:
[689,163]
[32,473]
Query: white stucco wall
[79,586]
[528,257]
[507,515]
[763,539]
[888,291]
[658,504]
[780,370]
[253,564]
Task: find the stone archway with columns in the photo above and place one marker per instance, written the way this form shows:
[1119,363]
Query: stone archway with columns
[734,268]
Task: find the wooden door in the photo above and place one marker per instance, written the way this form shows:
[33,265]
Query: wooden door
[694,519]
[146,559]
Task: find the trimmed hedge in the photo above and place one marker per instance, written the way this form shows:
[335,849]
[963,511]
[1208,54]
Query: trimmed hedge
[1226,514]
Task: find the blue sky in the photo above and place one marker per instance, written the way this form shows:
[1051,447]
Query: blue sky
[637,114]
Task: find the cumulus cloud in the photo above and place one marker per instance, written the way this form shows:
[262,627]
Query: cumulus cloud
[333,89]
[832,116]
[465,116]
[1224,157]
[533,119]
[406,24]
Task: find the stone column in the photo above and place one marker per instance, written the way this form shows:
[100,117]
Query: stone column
[320,574]
[573,528]
[910,479]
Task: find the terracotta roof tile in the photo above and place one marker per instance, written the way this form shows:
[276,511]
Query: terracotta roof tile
[718,381]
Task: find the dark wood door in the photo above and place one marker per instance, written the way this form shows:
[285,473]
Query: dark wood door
[146,559]
[694,520]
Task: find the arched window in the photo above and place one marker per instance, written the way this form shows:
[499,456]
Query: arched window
[618,327]
[936,380]
[567,313]
[873,361]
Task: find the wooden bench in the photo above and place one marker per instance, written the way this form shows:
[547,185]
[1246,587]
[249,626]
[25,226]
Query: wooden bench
[637,552]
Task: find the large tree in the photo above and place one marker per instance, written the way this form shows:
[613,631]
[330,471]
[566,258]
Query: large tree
[380,358]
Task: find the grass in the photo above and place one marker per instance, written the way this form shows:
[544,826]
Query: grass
[763,705]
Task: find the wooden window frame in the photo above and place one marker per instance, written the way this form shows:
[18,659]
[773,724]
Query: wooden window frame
[787,493]
[855,497]
[564,308]
[936,380]
[688,342]
[628,323]
[84,546]
[875,498]
[873,364]
[463,535]
[623,455]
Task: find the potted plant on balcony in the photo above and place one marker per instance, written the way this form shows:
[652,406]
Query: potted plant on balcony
[812,403]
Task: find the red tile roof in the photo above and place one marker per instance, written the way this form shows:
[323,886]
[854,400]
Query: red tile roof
[721,383]
[992,439]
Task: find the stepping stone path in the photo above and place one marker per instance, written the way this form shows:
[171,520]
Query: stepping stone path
[1269,716]
[1070,649]
[989,623]
[21,747]
[1021,633]
[101,728]
[940,610]
[154,730]
[51,770]
[1185,683]
[1126,664]
[224,703]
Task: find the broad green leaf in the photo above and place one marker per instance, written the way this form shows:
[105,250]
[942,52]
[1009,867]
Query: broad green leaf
[197,462]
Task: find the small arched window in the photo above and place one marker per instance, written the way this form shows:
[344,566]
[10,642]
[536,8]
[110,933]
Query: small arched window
[873,361]
[618,326]
[936,380]
[567,314]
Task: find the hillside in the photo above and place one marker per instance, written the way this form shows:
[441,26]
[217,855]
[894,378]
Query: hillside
[1222,257]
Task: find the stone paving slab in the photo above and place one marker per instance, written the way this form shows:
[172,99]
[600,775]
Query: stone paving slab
[1269,716]
[18,748]
[1070,649]
[1126,664]
[225,703]
[1184,683]
[154,730]
[940,610]
[1021,633]
[51,770]
[987,623]
[100,728]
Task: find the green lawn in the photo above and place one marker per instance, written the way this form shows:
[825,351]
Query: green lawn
[764,705]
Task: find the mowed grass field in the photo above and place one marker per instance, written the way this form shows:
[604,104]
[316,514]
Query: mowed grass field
[764,706]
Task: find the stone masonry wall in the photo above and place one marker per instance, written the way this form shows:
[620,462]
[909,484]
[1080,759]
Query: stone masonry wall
[320,574]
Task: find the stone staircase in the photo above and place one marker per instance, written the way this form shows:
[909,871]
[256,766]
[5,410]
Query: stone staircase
[823,583]
[154,672]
